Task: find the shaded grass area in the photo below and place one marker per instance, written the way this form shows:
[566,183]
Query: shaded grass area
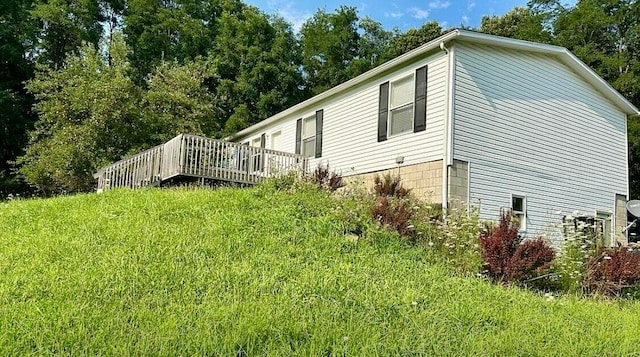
[260,272]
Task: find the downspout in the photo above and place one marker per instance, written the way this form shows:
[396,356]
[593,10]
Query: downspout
[447,155]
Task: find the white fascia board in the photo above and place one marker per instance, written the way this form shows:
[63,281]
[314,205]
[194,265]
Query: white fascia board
[564,55]
[427,47]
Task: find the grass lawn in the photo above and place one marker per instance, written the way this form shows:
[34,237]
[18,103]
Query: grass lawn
[259,272]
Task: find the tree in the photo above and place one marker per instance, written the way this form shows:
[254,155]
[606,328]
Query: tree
[257,61]
[17,34]
[633,132]
[414,38]
[64,26]
[88,116]
[373,46]
[329,45]
[521,23]
[175,30]
[178,101]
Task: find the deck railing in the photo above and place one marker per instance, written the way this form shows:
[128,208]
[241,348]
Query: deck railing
[198,157]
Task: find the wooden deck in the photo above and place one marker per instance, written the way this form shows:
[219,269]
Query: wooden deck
[191,156]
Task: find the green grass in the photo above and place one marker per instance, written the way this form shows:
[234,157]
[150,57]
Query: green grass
[257,272]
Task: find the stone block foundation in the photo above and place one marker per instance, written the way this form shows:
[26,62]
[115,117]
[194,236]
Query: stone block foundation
[424,179]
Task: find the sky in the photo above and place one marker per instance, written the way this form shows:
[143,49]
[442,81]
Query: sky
[403,14]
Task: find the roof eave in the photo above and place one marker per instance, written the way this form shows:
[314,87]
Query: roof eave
[427,47]
[565,55]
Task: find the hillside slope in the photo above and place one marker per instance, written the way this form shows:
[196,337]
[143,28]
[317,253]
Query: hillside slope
[259,272]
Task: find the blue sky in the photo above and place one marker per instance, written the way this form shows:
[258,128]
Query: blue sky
[404,14]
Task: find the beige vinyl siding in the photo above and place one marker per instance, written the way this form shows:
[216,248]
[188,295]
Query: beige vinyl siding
[350,125]
[530,126]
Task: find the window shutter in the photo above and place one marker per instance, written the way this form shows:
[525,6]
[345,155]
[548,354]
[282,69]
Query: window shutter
[298,135]
[319,119]
[420,104]
[383,111]
[263,144]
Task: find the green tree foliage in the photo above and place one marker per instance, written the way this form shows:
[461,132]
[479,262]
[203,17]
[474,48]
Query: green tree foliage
[178,101]
[338,46]
[257,61]
[16,44]
[88,116]
[159,30]
[414,38]
[64,25]
[329,45]
[373,46]
[521,23]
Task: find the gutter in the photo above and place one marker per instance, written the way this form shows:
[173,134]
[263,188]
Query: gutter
[398,61]
[562,53]
[447,154]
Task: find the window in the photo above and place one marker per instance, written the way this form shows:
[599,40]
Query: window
[603,228]
[519,210]
[257,154]
[401,93]
[402,105]
[275,141]
[597,228]
[309,136]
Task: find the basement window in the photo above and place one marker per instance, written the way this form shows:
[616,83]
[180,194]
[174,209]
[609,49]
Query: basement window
[519,210]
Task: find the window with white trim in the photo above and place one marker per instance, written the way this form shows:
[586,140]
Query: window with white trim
[401,97]
[275,141]
[519,210]
[308,148]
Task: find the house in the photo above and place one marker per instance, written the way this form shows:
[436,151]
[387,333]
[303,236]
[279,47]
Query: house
[469,117]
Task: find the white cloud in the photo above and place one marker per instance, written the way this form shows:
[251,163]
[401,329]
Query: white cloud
[465,19]
[418,13]
[286,9]
[470,5]
[439,4]
[394,15]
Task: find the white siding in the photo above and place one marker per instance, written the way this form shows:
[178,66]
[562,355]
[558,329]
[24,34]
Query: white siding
[350,125]
[530,126]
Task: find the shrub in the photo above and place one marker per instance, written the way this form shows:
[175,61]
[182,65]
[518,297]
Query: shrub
[393,206]
[387,186]
[532,258]
[613,271]
[395,214]
[327,179]
[507,258]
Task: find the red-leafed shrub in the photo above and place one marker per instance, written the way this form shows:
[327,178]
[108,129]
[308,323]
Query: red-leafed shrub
[393,206]
[498,246]
[387,186]
[531,258]
[327,179]
[394,214]
[614,270]
[507,258]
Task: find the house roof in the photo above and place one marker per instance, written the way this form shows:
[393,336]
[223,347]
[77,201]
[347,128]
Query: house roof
[561,53]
